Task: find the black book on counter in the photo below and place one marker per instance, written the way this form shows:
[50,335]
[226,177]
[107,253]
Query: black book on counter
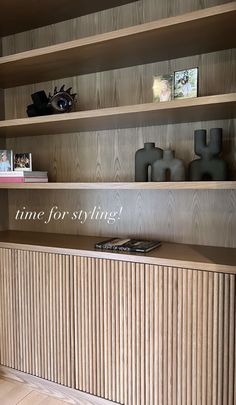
[128,245]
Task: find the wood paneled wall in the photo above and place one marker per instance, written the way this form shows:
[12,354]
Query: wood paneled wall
[4,224]
[186,217]
[120,17]
[202,217]
[133,333]
[3,194]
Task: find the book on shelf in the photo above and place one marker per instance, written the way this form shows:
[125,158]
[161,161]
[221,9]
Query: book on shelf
[22,173]
[23,177]
[128,245]
[23,180]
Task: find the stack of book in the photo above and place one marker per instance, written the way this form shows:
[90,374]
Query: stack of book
[128,245]
[23,177]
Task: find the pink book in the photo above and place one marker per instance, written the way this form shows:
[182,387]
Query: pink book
[22,180]
[12,180]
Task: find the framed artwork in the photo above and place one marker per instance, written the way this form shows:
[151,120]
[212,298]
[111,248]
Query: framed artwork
[6,160]
[162,88]
[186,83]
[23,161]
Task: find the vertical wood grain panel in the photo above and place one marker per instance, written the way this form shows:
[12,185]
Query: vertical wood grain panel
[199,336]
[137,383]
[117,340]
[165,335]
[179,335]
[2,265]
[210,339]
[215,338]
[194,336]
[142,336]
[189,328]
[226,341]
[147,341]
[135,334]
[232,316]
[125,359]
[113,335]
[105,329]
[120,386]
[151,353]
[156,337]
[101,310]
[133,359]
[204,337]
[184,336]
[175,333]
[98,326]
[86,324]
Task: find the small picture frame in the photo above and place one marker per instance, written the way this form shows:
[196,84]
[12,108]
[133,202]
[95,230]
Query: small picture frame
[186,83]
[162,88]
[6,160]
[23,162]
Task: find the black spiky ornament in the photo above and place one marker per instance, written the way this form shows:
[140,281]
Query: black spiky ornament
[61,101]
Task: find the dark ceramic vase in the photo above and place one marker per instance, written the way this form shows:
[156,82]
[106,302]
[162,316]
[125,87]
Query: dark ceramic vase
[210,166]
[170,164]
[144,158]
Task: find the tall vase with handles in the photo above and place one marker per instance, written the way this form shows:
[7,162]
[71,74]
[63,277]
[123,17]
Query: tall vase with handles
[144,158]
[210,166]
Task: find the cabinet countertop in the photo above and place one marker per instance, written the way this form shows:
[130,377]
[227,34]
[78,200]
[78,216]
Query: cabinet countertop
[206,258]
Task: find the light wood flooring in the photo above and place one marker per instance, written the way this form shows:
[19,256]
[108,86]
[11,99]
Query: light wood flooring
[12,393]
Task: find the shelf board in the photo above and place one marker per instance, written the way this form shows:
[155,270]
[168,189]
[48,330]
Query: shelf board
[216,259]
[185,185]
[185,35]
[15,18]
[176,111]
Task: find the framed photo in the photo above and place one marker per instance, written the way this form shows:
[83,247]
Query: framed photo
[186,83]
[162,88]
[23,161]
[6,160]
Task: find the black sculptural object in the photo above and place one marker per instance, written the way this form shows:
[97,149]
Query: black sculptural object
[170,164]
[61,101]
[144,158]
[210,166]
[39,106]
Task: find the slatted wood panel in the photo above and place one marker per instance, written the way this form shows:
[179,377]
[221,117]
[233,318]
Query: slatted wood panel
[132,333]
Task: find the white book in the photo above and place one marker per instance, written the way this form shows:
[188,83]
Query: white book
[36,180]
[21,173]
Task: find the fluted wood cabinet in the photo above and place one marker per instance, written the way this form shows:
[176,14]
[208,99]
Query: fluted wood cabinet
[130,332]
[157,329]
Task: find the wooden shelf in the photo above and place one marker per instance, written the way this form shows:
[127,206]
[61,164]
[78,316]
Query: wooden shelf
[15,18]
[205,258]
[188,185]
[187,110]
[189,34]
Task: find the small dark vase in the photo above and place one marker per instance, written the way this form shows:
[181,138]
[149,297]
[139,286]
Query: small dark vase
[210,166]
[144,158]
[171,164]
